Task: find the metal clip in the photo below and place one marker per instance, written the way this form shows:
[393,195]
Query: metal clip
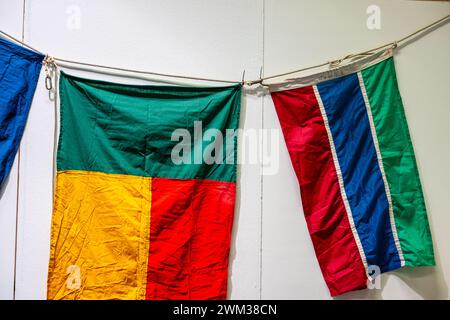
[50,74]
[48,82]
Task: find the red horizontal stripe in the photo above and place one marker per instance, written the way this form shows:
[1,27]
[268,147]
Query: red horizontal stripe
[309,148]
[190,232]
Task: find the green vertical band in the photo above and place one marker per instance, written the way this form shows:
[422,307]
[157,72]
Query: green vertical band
[399,163]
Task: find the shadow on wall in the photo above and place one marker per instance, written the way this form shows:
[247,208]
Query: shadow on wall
[427,282]
[258,91]
[3,188]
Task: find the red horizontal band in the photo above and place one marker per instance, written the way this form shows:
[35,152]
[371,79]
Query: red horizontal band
[190,231]
[309,148]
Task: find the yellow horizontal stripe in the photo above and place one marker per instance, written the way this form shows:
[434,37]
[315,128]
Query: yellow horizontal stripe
[99,237]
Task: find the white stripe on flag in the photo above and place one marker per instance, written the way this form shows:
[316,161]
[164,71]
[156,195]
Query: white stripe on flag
[340,179]
[380,164]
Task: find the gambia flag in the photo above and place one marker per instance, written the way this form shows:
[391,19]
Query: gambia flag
[145,191]
[350,147]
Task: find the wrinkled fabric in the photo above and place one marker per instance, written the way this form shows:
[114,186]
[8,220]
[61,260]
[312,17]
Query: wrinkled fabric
[128,222]
[19,73]
[190,239]
[399,164]
[345,109]
[99,244]
[350,148]
[307,141]
[128,128]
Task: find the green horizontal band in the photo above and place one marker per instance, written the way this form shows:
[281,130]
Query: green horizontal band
[399,163]
[127,129]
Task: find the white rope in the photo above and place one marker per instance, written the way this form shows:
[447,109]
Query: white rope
[332,64]
[394,44]
[144,72]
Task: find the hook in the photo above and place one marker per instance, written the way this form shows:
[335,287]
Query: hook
[261,80]
[243,77]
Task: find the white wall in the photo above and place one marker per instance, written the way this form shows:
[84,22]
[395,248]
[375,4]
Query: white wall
[11,22]
[272,255]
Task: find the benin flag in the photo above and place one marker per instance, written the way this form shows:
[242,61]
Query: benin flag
[350,147]
[145,191]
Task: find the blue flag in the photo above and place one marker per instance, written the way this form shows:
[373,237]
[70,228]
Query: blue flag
[19,73]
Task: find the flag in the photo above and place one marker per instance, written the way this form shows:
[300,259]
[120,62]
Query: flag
[19,73]
[351,150]
[145,191]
